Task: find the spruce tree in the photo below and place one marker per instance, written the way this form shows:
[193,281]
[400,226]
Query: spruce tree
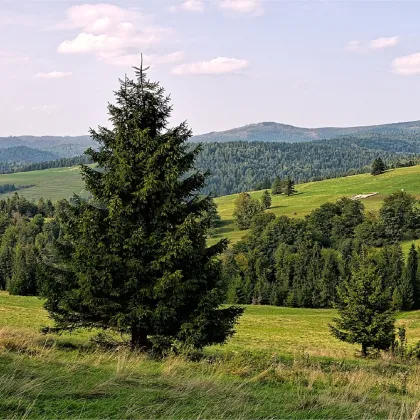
[409,279]
[134,259]
[378,167]
[416,291]
[266,200]
[276,187]
[329,279]
[365,309]
[290,187]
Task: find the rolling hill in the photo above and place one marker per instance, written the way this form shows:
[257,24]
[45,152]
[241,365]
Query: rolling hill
[25,154]
[312,194]
[60,183]
[276,132]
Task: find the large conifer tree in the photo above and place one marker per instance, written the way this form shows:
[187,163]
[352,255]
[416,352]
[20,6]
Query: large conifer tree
[134,258]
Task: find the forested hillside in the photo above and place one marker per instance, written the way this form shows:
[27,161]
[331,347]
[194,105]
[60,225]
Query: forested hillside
[275,132]
[16,157]
[245,166]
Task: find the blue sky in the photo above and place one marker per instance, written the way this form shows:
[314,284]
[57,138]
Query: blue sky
[226,63]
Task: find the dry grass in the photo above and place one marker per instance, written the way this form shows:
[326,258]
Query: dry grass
[42,377]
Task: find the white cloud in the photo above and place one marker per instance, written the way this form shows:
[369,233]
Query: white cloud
[407,66]
[193,5]
[110,31]
[384,42]
[219,65]
[53,75]
[252,7]
[374,44]
[188,6]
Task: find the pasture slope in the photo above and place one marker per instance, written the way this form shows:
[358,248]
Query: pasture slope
[312,194]
[55,184]
[60,183]
[282,363]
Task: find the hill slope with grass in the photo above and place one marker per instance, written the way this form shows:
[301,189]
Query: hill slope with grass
[312,194]
[281,363]
[55,184]
[60,183]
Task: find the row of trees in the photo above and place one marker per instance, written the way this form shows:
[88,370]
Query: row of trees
[58,163]
[300,262]
[246,207]
[285,186]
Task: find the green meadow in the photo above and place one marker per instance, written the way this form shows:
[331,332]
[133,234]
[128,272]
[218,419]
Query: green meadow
[55,184]
[282,363]
[312,194]
[64,182]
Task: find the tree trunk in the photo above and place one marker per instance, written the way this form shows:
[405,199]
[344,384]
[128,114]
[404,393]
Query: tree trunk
[139,338]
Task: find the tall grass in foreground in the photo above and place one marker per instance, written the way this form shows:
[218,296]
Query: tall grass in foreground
[41,378]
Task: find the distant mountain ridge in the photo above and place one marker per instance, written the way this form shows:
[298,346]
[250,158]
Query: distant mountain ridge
[277,132]
[25,154]
[61,146]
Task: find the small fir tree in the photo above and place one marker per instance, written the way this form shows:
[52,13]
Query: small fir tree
[365,309]
[397,299]
[290,187]
[276,187]
[135,259]
[409,279]
[378,167]
[266,200]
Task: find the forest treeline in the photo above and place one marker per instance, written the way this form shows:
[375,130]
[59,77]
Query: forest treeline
[245,166]
[25,230]
[10,167]
[300,262]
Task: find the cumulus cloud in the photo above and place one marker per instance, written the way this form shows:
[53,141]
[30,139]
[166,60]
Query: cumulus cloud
[110,31]
[250,7]
[384,42]
[408,65]
[53,75]
[374,44]
[219,65]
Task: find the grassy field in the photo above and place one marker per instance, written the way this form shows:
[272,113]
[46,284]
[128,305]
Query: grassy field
[54,183]
[282,363]
[64,182]
[312,194]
